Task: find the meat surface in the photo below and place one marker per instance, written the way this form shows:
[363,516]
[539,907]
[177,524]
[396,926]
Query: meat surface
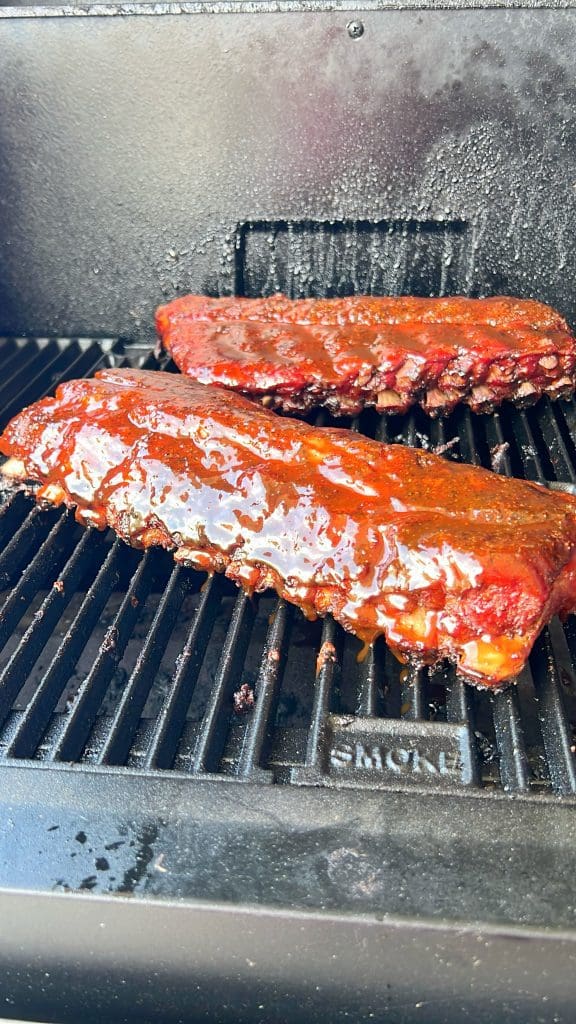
[445,560]
[390,353]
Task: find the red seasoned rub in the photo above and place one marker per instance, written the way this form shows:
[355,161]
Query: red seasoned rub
[445,560]
[390,353]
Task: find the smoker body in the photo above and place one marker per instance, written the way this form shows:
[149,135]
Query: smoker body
[150,150]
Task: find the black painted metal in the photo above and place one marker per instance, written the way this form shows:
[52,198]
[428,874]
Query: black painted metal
[194,154]
[279,904]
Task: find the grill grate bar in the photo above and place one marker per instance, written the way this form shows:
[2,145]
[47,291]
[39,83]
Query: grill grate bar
[36,715]
[327,675]
[566,411]
[466,433]
[508,731]
[531,460]
[36,526]
[12,515]
[409,432]
[267,690]
[496,440]
[459,704]
[69,740]
[552,714]
[212,733]
[36,388]
[33,362]
[45,619]
[126,717]
[514,771]
[506,713]
[11,354]
[381,433]
[414,696]
[460,708]
[167,730]
[552,436]
[368,698]
[47,561]
[372,671]
[392,691]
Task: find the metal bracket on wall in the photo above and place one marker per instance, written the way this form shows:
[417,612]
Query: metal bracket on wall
[383,257]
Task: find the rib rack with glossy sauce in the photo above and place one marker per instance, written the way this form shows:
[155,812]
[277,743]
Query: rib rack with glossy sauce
[445,560]
[390,353]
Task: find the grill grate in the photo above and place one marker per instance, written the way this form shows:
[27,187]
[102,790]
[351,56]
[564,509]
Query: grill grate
[115,657]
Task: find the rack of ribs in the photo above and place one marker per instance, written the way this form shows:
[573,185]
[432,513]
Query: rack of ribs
[445,560]
[390,353]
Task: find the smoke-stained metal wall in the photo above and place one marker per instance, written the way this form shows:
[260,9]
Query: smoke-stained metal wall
[145,156]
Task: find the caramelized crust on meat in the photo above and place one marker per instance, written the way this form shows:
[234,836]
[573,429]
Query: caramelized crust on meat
[500,311]
[390,353]
[445,560]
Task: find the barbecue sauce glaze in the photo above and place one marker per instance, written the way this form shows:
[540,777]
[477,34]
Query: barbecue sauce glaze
[445,560]
[390,353]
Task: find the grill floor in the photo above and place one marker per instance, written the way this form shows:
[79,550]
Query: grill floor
[114,657]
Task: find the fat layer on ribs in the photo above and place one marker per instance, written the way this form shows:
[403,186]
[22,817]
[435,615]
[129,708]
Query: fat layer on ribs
[444,559]
[390,353]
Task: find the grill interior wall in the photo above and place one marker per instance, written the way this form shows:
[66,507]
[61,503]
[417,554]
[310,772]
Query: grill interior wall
[133,173]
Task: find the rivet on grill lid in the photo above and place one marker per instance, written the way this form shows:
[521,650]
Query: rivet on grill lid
[355,29]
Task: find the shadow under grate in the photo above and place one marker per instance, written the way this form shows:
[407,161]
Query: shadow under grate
[114,657]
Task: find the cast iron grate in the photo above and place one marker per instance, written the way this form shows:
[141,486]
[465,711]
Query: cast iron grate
[115,657]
